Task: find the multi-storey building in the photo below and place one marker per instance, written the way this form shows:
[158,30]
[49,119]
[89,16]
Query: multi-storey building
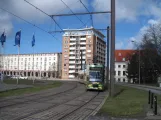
[121,64]
[32,65]
[80,47]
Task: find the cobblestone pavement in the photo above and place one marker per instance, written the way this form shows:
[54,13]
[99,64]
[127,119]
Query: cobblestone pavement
[4,87]
[69,102]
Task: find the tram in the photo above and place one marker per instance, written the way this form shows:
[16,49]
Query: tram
[95,79]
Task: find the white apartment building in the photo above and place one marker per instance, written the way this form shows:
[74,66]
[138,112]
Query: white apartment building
[32,65]
[80,47]
[121,64]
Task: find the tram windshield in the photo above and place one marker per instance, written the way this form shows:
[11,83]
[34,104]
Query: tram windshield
[95,76]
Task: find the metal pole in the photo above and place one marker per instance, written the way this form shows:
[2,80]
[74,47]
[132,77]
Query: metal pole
[139,65]
[2,74]
[33,67]
[149,97]
[81,59]
[107,47]
[152,97]
[18,64]
[112,62]
[155,105]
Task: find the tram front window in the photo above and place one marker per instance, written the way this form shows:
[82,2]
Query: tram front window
[94,76]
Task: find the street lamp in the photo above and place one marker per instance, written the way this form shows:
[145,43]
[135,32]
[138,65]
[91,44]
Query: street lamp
[139,60]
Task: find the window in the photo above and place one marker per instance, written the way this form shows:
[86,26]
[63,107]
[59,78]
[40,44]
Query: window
[119,54]
[124,80]
[118,79]
[124,73]
[119,73]
[124,66]
[123,59]
[119,66]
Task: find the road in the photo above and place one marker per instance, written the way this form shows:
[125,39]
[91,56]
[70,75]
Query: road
[69,102]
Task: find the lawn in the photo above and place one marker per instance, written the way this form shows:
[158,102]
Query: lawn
[130,102]
[36,87]
[23,81]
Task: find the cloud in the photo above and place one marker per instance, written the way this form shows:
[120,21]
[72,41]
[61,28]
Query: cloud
[29,13]
[128,44]
[130,10]
[5,23]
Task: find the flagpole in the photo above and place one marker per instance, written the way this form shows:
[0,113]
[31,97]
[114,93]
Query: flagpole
[33,67]
[3,62]
[18,63]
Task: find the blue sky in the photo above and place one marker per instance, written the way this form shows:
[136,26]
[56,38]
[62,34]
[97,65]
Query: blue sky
[132,19]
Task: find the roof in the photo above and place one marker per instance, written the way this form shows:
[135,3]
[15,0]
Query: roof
[123,55]
[85,29]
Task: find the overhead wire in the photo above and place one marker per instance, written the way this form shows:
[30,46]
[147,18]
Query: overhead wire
[73,13]
[87,11]
[28,22]
[44,13]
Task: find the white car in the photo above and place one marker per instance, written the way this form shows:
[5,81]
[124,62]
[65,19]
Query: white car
[21,77]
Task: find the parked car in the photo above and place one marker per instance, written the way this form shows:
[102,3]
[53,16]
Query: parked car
[22,77]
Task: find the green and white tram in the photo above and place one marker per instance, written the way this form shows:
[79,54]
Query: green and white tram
[96,77]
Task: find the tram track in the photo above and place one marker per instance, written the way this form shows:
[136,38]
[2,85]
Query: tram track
[65,116]
[57,115]
[45,109]
[35,98]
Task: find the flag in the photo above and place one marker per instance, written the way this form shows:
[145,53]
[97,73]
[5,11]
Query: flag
[17,38]
[33,41]
[3,39]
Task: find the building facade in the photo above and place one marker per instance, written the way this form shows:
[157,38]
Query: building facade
[121,64]
[32,65]
[80,47]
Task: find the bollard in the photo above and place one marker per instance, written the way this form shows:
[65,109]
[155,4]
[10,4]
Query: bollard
[155,105]
[152,95]
[149,97]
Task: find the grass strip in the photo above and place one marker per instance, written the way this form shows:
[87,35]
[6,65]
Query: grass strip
[35,88]
[129,102]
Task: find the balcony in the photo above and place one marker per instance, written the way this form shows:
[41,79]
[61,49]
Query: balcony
[72,48]
[82,48]
[72,53]
[80,57]
[72,39]
[71,71]
[73,66]
[72,57]
[82,38]
[71,62]
[72,43]
[83,43]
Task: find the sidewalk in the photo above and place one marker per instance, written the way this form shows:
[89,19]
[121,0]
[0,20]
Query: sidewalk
[5,87]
